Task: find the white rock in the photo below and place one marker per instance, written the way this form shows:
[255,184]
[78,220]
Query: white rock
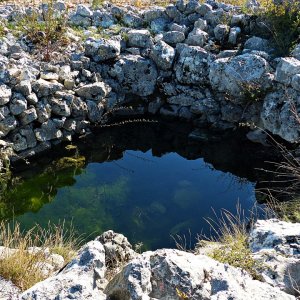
[78,280]
[157,275]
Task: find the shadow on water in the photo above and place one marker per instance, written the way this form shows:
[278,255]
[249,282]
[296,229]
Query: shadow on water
[148,181]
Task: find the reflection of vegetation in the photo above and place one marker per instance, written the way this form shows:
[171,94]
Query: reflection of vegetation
[92,209]
[19,196]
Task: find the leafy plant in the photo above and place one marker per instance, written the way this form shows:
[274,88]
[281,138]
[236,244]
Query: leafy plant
[283,22]
[47,31]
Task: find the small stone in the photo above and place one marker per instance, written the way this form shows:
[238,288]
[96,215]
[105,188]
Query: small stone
[28,116]
[173,37]
[92,90]
[296,82]
[24,87]
[102,50]
[18,104]
[163,55]
[197,37]
[221,32]
[5,94]
[139,38]
[83,11]
[49,76]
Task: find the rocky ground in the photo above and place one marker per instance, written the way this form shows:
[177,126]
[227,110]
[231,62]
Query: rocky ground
[108,268]
[202,63]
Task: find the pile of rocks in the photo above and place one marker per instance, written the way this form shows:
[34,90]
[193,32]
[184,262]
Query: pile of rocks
[203,63]
[174,274]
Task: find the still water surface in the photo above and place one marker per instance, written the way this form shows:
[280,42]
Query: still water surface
[139,185]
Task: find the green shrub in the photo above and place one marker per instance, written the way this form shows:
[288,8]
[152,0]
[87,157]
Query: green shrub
[47,32]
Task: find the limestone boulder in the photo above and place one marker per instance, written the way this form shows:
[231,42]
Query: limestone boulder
[240,75]
[173,274]
[135,74]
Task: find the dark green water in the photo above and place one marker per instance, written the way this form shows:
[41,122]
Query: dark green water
[132,183]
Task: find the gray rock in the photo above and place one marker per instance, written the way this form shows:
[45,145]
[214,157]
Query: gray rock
[276,245]
[28,116]
[83,11]
[197,37]
[203,9]
[154,106]
[18,104]
[172,11]
[135,74]
[165,273]
[163,55]
[296,82]
[29,135]
[159,25]
[201,24]
[239,75]
[139,38]
[185,114]
[296,52]
[43,111]
[181,28]
[277,115]
[78,280]
[117,248]
[173,37]
[19,142]
[45,88]
[286,69]
[192,66]
[221,32]
[102,50]
[24,87]
[60,107]
[7,125]
[227,53]
[103,19]
[47,132]
[153,13]
[181,99]
[96,90]
[238,20]
[169,111]
[79,108]
[79,20]
[191,7]
[132,20]
[234,35]
[4,112]
[257,43]
[180,4]
[8,290]
[5,94]
[95,111]
[206,106]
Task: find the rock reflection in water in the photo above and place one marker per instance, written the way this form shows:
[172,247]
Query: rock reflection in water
[133,191]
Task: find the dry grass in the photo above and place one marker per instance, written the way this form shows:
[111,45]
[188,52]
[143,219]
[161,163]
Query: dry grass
[23,267]
[230,231]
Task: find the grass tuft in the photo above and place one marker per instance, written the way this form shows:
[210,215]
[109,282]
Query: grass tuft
[230,231]
[23,253]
